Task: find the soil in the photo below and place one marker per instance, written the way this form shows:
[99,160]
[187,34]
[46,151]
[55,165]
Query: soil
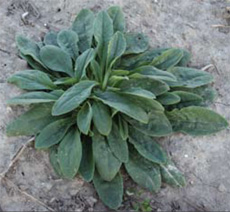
[28,183]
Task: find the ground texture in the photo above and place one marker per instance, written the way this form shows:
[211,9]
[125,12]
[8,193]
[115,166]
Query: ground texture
[27,181]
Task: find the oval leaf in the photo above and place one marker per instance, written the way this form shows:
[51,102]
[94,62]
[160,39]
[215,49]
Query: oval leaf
[51,39]
[118,18]
[168,98]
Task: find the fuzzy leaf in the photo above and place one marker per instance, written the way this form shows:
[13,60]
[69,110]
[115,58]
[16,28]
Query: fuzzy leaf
[157,126]
[168,98]
[102,118]
[103,32]
[83,26]
[190,77]
[124,104]
[107,164]
[143,172]
[111,193]
[32,80]
[185,59]
[196,120]
[82,62]
[51,39]
[136,43]
[73,97]
[69,153]
[139,92]
[84,118]
[116,48]
[168,59]
[118,146]
[56,59]
[96,70]
[53,156]
[171,175]
[147,147]
[67,40]
[87,166]
[118,18]
[52,134]
[123,127]
[32,98]
[32,121]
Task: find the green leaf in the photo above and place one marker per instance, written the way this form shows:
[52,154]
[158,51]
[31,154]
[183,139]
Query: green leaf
[107,164]
[84,118]
[185,59]
[171,175]
[190,77]
[136,43]
[102,118]
[52,134]
[154,73]
[168,59]
[157,126]
[143,172]
[66,81]
[187,99]
[32,98]
[118,18]
[196,120]
[123,103]
[67,40]
[87,166]
[73,97]
[28,48]
[168,98]
[110,193]
[157,87]
[83,25]
[123,127]
[103,32]
[82,62]
[69,153]
[96,70]
[32,80]
[118,146]
[116,48]
[51,39]
[32,121]
[139,92]
[56,59]
[53,156]
[147,147]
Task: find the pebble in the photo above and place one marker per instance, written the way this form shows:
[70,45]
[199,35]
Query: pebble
[222,188]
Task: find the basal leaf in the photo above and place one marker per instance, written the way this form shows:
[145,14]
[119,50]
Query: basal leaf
[168,98]
[53,156]
[136,43]
[117,145]
[139,92]
[111,193]
[32,80]
[83,26]
[102,118]
[82,62]
[51,38]
[56,59]
[116,48]
[32,121]
[143,172]
[32,98]
[123,127]
[168,59]
[69,153]
[96,70]
[107,164]
[87,166]
[190,77]
[53,133]
[68,41]
[147,147]
[84,118]
[171,175]
[196,120]
[124,104]
[118,18]
[73,97]
[158,125]
[65,81]
[185,59]
[103,32]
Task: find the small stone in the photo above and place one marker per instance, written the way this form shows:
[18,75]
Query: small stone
[186,156]
[222,188]
[91,201]
[73,192]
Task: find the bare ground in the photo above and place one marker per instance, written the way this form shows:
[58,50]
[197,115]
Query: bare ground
[28,183]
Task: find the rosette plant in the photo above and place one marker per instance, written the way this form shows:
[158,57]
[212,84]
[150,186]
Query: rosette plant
[100,98]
